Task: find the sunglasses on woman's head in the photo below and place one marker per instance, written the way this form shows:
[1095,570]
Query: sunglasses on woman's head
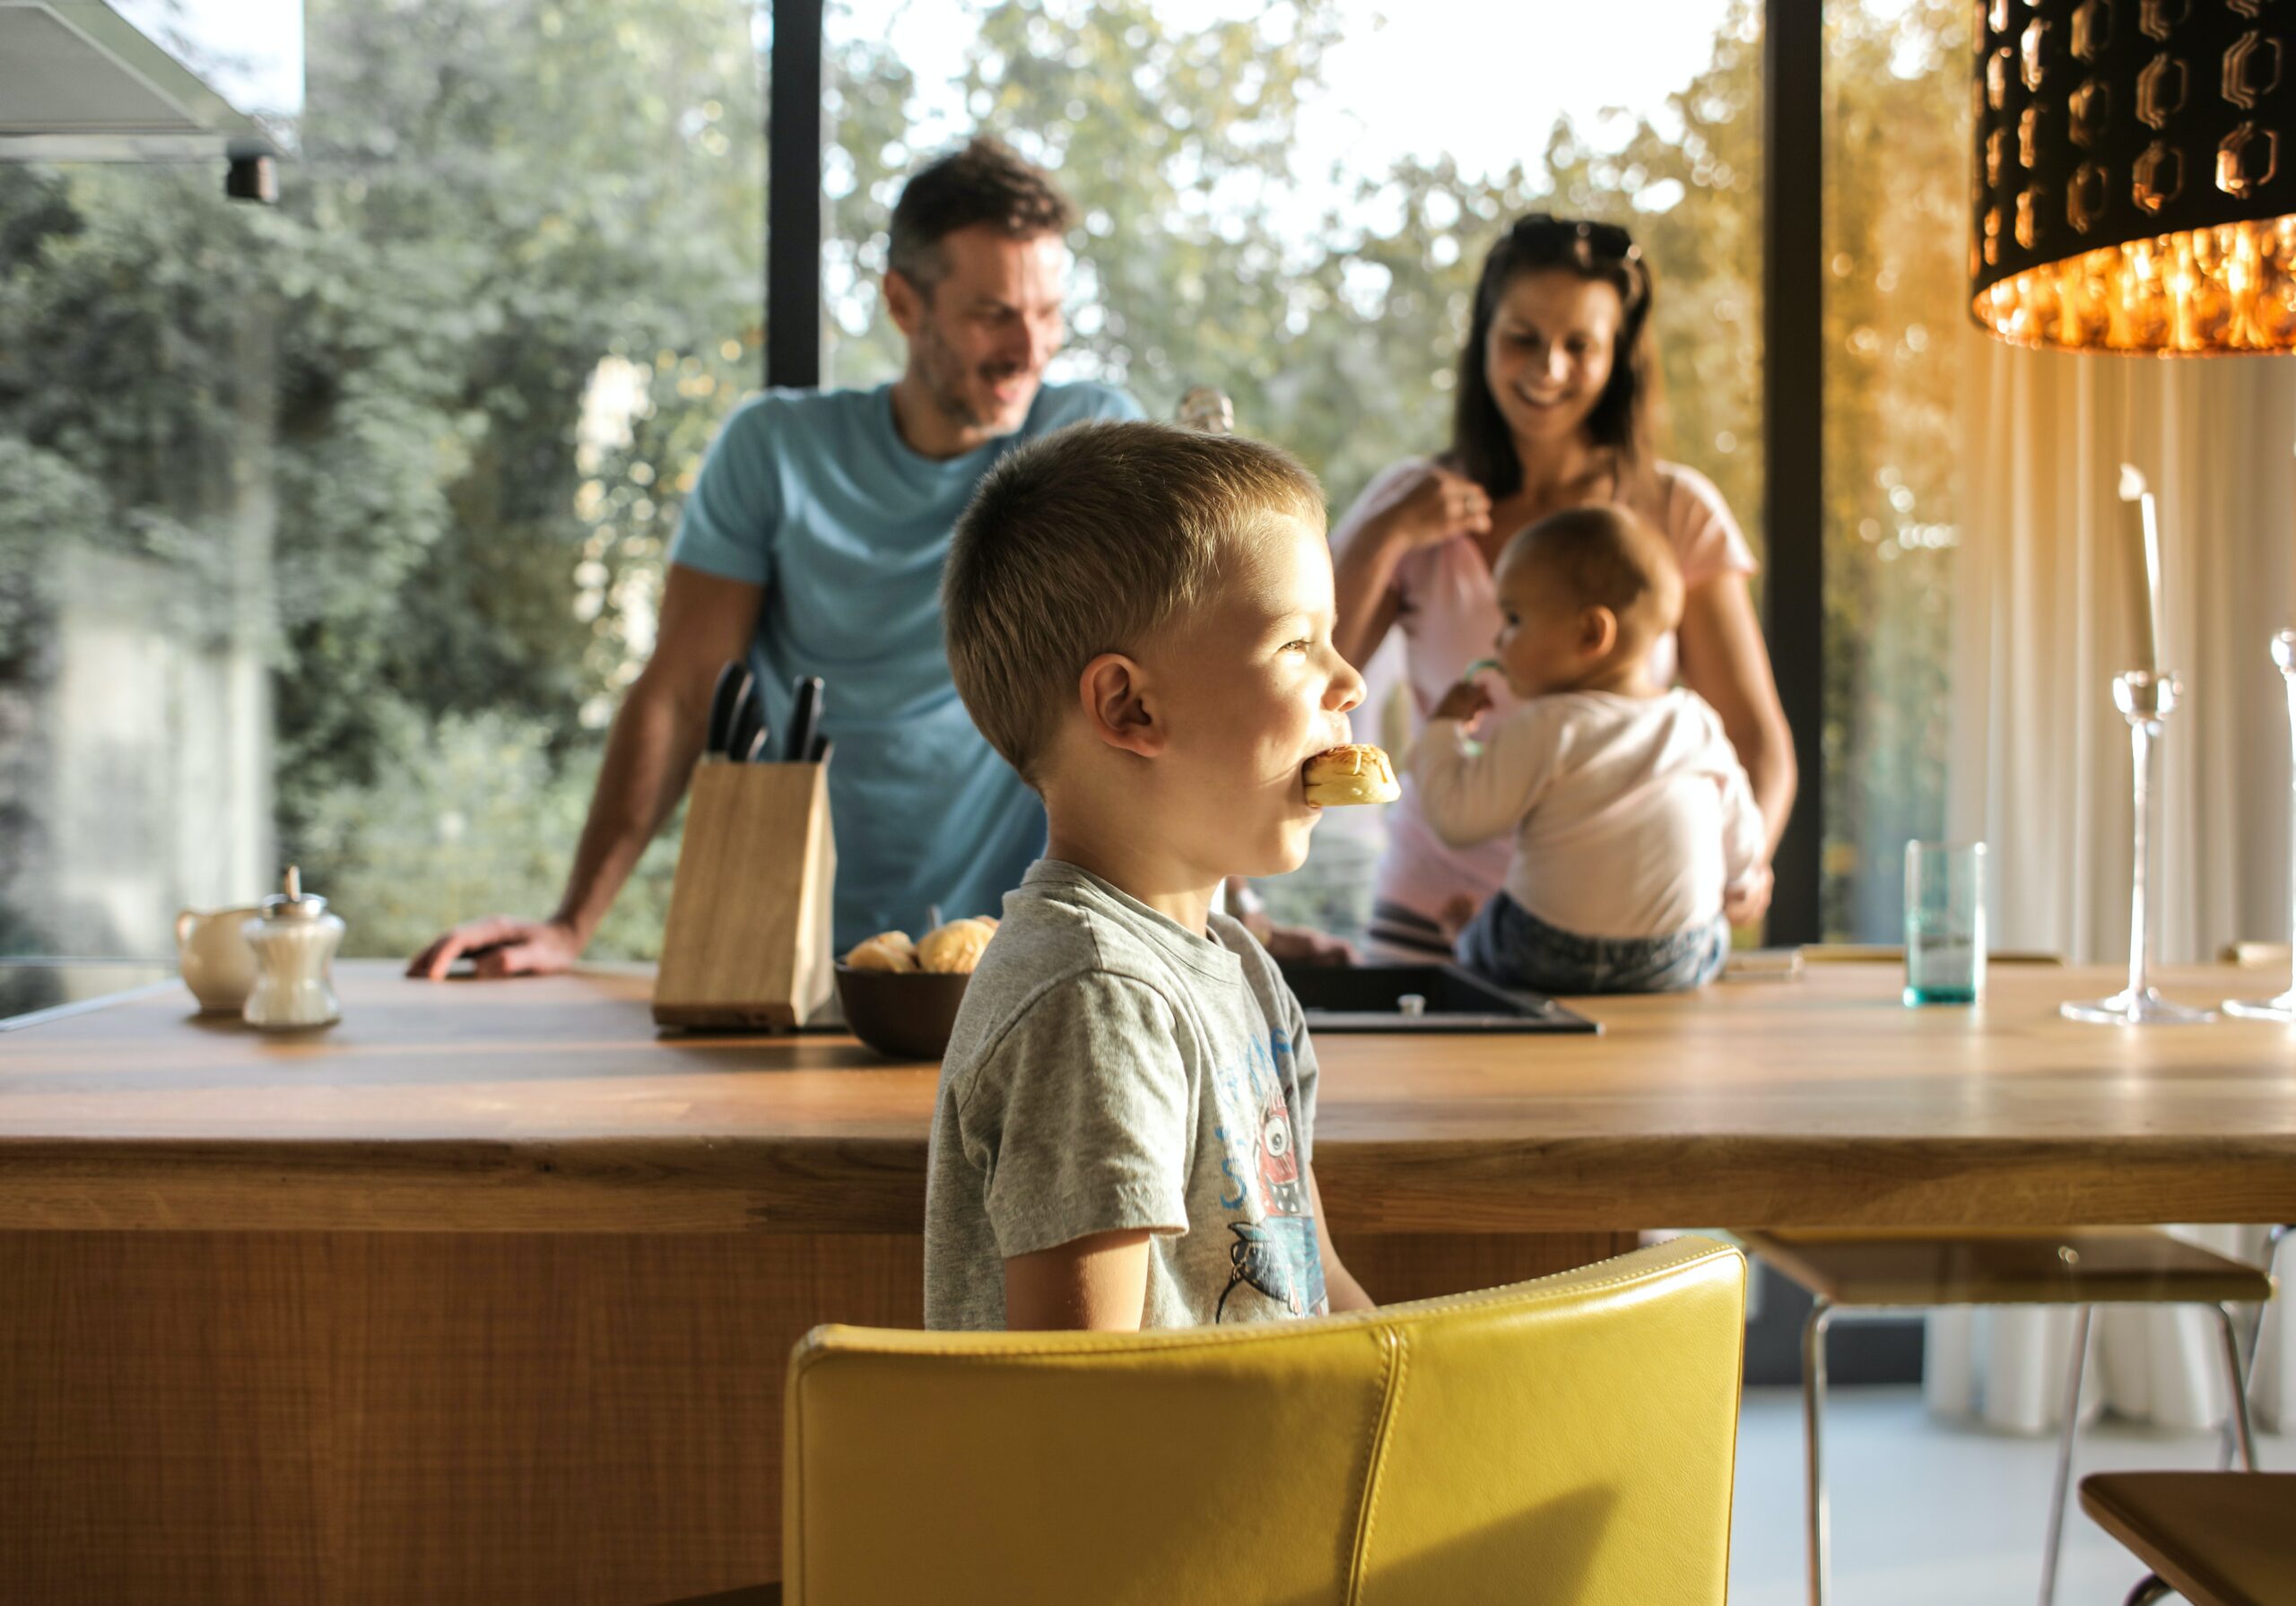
[1579,236]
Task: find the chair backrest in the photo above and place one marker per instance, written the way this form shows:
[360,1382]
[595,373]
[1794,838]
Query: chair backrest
[1564,1440]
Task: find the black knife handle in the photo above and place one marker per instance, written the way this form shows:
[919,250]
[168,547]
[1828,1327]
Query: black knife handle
[732,689]
[746,740]
[804,723]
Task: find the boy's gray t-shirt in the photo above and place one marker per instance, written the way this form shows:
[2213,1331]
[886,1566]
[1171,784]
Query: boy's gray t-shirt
[1111,1070]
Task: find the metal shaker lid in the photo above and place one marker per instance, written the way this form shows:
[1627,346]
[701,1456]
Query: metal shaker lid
[293,903]
[1207,408]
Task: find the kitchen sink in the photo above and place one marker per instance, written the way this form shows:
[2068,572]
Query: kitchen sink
[1380,998]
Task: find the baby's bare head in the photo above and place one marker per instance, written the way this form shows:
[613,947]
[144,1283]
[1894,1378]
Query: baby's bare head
[1602,557]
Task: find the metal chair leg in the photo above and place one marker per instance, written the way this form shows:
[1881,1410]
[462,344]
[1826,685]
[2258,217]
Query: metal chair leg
[2076,1366]
[2149,1589]
[2272,1241]
[1813,1403]
[2242,1434]
[2224,1441]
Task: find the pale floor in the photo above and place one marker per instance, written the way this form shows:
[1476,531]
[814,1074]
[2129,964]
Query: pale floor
[1928,1512]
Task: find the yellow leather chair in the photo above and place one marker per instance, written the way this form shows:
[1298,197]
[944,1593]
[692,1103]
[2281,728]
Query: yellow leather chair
[1564,1440]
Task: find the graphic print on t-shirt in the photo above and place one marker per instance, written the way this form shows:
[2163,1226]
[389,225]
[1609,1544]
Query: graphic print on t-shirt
[1276,1251]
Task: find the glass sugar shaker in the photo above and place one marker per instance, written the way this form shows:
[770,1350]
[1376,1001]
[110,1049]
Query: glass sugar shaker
[294,939]
[1207,408]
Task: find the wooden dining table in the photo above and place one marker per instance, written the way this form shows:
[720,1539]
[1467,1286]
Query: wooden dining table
[484,1293]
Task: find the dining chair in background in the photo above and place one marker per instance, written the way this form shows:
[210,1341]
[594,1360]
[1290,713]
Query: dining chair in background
[2082,1267]
[2217,1539]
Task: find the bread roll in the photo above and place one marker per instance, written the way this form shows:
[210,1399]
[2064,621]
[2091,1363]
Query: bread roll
[956,948]
[1358,773]
[887,951]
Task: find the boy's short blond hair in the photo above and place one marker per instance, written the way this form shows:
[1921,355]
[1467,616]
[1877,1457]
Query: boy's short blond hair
[1088,541]
[1604,556]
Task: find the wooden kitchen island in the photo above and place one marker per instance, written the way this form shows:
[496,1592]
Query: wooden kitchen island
[484,1294]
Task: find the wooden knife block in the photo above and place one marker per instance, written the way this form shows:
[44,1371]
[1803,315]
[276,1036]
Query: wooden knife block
[748,944]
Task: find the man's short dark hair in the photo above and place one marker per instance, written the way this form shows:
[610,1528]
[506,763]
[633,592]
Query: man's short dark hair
[984,182]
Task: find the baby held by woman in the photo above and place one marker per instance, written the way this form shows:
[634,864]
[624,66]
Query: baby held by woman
[1633,816]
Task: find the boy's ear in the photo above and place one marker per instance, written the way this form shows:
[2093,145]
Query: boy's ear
[1598,631]
[1113,691]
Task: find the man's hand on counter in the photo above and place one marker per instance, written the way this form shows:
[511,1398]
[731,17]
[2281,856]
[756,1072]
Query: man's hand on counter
[500,945]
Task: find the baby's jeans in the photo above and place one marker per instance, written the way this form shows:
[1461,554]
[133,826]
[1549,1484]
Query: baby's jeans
[1506,943]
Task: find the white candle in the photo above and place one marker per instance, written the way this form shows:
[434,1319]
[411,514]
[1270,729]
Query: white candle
[2149,625]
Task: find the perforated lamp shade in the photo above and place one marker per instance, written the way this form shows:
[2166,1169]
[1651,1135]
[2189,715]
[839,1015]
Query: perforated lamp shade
[2135,186]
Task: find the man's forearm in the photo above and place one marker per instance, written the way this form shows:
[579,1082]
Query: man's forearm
[650,754]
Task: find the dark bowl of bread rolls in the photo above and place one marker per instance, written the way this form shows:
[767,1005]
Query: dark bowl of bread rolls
[902,997]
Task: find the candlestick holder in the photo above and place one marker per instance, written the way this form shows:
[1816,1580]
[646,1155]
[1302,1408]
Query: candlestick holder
[2145,699]
[2282,1008]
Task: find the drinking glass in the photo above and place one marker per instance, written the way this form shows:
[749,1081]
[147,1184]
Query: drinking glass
[1944,922]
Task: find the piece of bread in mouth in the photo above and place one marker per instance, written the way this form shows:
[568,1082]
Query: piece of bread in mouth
[1358,773]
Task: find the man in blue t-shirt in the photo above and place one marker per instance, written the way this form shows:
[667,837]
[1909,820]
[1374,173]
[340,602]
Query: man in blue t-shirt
[813,544]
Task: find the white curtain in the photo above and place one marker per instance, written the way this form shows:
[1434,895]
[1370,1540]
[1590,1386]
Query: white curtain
[2044,600]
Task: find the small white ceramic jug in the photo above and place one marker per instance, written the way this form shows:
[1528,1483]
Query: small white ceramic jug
[213,953]
[294,939]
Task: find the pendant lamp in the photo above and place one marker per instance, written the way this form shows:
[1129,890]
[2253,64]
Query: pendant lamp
[2135,178]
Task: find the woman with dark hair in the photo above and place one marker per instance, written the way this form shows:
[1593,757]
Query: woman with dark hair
[1555,396]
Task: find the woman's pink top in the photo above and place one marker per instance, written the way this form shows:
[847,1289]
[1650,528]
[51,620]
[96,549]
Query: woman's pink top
[1449,619]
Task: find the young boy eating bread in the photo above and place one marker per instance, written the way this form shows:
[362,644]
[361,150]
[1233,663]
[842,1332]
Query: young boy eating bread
[1139,618]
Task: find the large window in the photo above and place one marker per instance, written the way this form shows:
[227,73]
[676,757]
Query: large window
[1897,157]
[1291,202]
[331,533]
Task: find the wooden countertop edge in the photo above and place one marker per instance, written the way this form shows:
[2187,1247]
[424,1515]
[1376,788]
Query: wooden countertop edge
[655,1186]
